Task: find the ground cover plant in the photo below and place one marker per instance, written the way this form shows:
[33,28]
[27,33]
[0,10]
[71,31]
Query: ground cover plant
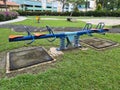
[116,26]
[4,16]
[75,70]
[57,21]
[96,13]
[65,17]
[52,23]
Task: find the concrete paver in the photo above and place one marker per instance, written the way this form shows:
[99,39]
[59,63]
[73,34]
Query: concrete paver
[106,21]
[20,18]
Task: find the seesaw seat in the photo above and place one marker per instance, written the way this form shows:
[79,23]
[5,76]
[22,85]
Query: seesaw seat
[19,36]
[15,36]
[38,34]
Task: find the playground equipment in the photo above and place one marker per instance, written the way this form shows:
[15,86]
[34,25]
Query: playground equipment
[66,38]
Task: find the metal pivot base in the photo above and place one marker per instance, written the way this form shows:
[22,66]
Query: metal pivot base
[76,41]
[64,46]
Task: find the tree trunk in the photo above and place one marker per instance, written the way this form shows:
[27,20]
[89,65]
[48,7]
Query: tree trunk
[5,1]
[63,7]
[6,7]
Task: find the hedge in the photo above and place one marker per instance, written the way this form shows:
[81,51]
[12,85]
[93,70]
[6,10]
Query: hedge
[88,13]
[4,16]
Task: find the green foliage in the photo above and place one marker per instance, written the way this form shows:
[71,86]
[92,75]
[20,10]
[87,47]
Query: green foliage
[49,13]
[99,7]
[103,13]
[76,9]
[96,13]
[116,26]
[109,4]
[52,23]
[4,16]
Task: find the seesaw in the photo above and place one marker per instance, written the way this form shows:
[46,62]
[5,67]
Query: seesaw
[66,38]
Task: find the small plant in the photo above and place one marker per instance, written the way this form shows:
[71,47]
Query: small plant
[99,7]
[76,9]
[96,13]
[4,16]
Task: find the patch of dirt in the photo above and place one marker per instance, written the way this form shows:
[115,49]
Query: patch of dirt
[99,44]
[31,70]
[27,57]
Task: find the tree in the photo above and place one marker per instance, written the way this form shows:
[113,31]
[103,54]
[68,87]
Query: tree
[99,7]
[118,4]
[63,4]
[5,1]
[75,4]
[109,4]
[76,9]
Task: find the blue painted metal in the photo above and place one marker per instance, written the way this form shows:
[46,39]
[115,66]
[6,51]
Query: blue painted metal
[72,38]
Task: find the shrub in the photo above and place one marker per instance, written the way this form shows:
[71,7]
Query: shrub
[99,7]
[76,9]
[97,13]
[4,16]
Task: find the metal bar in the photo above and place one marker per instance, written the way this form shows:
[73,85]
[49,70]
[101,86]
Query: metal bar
[79,33]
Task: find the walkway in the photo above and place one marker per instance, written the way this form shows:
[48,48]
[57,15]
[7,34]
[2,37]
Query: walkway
[108,22]
[20,18]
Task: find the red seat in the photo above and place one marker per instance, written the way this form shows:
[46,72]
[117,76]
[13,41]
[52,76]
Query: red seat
[94,29]
[15,36]
[38,34]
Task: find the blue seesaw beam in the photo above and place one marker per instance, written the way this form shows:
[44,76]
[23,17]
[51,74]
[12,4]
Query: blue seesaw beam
[72,38]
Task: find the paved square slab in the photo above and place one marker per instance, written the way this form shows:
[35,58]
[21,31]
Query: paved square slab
[25,58]
[98,43]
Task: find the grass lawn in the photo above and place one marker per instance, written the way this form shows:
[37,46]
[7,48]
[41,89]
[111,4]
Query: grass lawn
[52,23]
[116,26]
[61,22]
[80,17]
[75,70]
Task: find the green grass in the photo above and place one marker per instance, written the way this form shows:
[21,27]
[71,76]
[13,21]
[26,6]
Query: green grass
[75,70]
[31,21]
[84,70]
[52,23]
[59,17]
[80,17]
[116,26]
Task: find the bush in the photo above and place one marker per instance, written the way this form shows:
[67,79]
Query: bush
[97,13]
[4,16]
[116,26]
[99,7]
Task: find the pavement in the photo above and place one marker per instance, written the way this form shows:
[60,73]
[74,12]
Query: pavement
[108,22]
[20,18]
